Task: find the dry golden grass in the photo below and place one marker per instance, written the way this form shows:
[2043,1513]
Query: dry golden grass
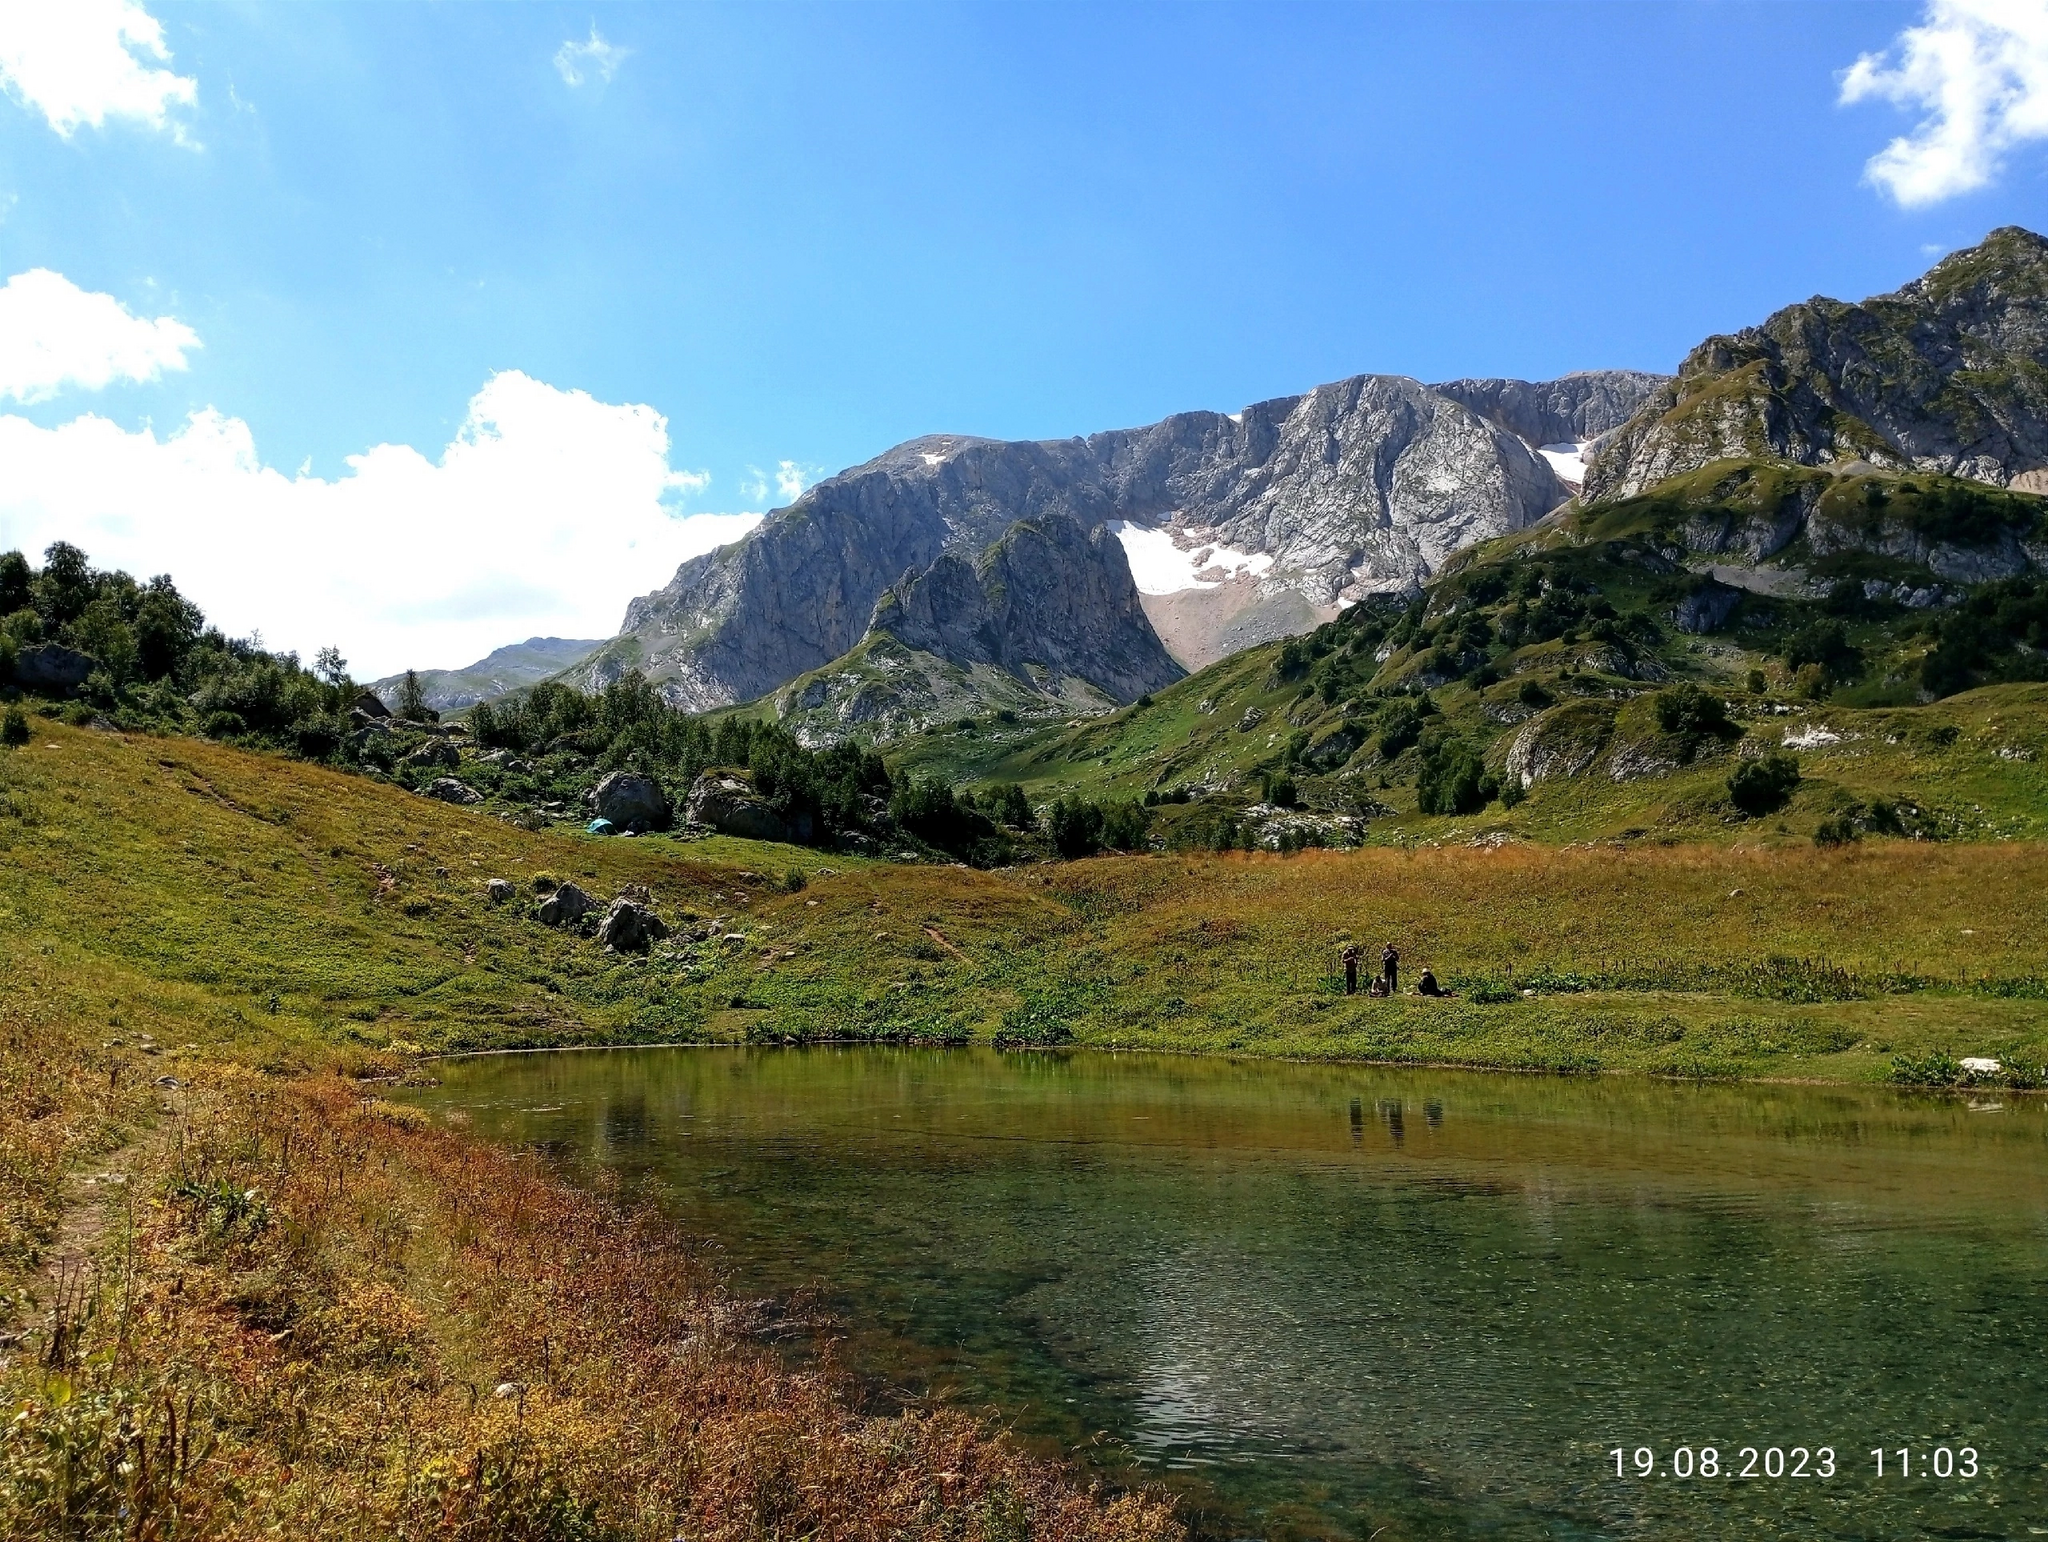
[341,1323]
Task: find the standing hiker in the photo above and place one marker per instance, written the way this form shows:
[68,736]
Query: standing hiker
[1351,970]
[1390,969]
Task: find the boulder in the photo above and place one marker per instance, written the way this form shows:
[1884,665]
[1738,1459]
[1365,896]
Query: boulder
[52,668]
[630,927]
[565,907]
[1707,608]
[435,752]
[631,802]
[448,790]
[500,890]
[728,804]
[370,705]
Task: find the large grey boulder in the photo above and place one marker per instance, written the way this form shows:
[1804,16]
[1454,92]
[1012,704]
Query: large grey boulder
[1707,608]
[565,907]
[448,790]
[630,927]
[630,801]
[52,668]
[435,752]
[727,803]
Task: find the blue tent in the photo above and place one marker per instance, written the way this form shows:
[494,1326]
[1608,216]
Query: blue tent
[600,827]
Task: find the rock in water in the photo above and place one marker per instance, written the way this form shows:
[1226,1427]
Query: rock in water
[630,927]
[727,803]
[631,802]
[565,907]
[53,668]
[449,790]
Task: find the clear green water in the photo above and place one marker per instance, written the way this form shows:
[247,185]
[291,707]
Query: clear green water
[1325,1301]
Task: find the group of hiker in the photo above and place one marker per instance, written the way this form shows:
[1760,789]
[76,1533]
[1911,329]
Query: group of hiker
[1388,981]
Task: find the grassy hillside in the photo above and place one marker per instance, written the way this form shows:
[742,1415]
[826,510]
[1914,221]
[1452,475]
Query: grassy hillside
[290,1302]
[245,1297]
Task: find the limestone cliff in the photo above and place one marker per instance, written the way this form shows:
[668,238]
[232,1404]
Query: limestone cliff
[1947,375]
[1361,486]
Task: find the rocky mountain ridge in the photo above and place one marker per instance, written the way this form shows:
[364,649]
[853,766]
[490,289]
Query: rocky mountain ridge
[506,669]
[1361,486]
[1948,374]
[1045,621]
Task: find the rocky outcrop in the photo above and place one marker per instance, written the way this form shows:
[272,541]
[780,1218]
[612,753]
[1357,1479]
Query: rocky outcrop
[1364,485]
[1707,608]
[53,669]
[565,907]
[725,801]
[1570,410]
[448,790]
[630,801]
[1047,599]
[435,752]
[1948,374]
[630,927]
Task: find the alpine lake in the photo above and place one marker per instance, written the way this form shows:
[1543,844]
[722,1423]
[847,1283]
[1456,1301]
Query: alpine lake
[1347,1301]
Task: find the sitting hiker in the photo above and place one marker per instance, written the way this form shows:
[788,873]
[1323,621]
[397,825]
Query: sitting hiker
[1377,987]
[1425,985]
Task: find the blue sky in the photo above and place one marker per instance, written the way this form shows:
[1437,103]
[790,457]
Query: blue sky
[799,234]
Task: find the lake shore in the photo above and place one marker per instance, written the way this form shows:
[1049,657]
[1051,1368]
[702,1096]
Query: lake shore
[213,957]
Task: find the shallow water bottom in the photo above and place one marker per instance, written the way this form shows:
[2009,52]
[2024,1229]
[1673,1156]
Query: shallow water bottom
[1345,1301]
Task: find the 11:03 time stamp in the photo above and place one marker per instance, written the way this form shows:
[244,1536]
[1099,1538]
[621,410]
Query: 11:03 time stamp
[1788,1462]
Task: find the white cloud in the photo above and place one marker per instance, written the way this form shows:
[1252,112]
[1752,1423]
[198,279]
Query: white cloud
[788,479]
[545,515]
[577,62]
[84,61]
[54,334]
[791,479]
[1978,69]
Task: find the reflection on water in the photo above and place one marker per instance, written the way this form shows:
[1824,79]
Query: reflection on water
[1335,1299]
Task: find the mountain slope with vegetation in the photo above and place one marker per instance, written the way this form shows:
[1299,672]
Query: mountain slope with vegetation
[1599,675]
[1948,374]
[505,670]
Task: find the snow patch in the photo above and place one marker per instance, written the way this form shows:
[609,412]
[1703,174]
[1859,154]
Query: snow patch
[1811,738]
[1161,565]
[1567,460]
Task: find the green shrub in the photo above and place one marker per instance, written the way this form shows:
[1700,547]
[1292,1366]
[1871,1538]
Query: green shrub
[14,728]
[1836,832]
[1075,826]
[1760,786]
[1453,780]
[794,881]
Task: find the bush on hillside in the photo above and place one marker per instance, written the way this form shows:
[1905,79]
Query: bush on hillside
[1761,786]
[14,728]
[1453,780]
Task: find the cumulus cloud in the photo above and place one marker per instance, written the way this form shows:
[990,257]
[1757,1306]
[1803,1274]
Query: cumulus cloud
[791,479]
[81,62]
[577,62]
[788,479]
[1978,70]
[547,512]
[54,334]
